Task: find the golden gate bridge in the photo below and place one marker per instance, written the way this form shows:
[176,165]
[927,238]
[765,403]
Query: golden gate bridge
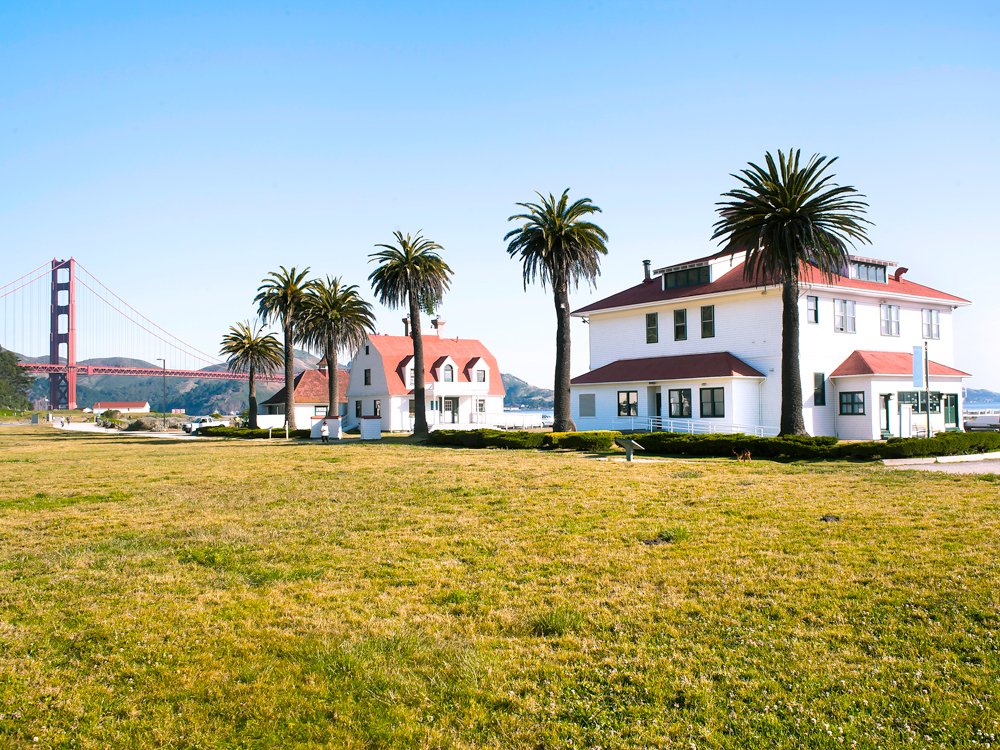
[59,312]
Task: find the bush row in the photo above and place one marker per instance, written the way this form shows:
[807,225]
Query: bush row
[246,432]
[581,441]
[804,447]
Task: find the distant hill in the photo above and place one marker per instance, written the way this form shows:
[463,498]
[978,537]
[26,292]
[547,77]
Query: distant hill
[194,395]
[981,396]
[520,393]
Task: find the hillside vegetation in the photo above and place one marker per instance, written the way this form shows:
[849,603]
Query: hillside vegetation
[222,594]
[524,395]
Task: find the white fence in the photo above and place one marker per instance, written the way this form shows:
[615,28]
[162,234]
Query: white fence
[478,420]
[690,426]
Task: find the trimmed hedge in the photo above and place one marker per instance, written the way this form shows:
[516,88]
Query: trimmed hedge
[804,447]
[247,433]
[581,441]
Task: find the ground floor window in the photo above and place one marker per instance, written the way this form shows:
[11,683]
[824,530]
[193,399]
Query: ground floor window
[588,405]
[628,403]
[378,408]
[413,407]
[357,409]
[680,403]
[713,402]
[852,402]
[819,389]
[481,405]
[919,400]
[319,411]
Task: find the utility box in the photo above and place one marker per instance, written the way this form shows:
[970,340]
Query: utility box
[332,424]
[371,428]
[34,419]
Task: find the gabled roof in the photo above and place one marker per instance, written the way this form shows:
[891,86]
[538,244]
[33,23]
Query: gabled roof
[682,367]
[311,387]
[731,281]
[889,363]
[397,351]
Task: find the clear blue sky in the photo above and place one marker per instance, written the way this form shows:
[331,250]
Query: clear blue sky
[199,145]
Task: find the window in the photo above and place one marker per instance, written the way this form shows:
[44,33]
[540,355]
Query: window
[819,389]
[652,328]
[481,405]
[366,350]
[410,378]
[679,406]
[812,309]
[868,272]
[708,322]
[357,409]
[368,377]
[932,323]
[378,408]
[680,325]
[480,376]
[687,277]
[413,407]
[449,374]
[918,400]
[628,403]
[588,405]
[319,411]
[713,402]
[852,402]
[890,319]
[843,315]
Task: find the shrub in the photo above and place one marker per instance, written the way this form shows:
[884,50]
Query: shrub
[582,441]
[247,433]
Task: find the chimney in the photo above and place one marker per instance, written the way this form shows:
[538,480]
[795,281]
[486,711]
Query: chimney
[438,324]
[321,365]
[406,326]
[899,273]
[645,272]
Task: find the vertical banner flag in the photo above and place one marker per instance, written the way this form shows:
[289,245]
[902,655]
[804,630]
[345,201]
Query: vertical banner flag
[918,367]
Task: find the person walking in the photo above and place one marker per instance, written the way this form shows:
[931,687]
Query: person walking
[324,432]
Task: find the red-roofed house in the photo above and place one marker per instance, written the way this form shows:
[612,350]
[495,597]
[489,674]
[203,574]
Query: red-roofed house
[125,407]
[311,399]
[697,347]
[462,382]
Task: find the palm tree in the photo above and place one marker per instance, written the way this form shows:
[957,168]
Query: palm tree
[786,218]
[411,273]
[280,298]
[557,247]
[334,318]
[252,351]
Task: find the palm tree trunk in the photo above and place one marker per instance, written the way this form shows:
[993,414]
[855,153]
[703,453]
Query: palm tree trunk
[333,381]
[791,379]
[253,399]
[419,396]
[562,420]
[289,378]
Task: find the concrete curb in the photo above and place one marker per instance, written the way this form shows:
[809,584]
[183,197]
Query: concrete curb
[941,459]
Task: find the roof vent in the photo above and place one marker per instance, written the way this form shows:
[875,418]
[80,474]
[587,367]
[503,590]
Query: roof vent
[899,273]
[645,271]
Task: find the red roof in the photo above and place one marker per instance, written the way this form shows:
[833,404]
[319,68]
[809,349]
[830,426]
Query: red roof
[312,387]
[682,367]
[888,363]
[120,404]
[733,280]
[396,352]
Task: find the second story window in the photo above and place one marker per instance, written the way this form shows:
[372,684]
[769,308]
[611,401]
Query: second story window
[843,315]
[410,378]
[708,322]
[812,309]
[449,374]
[480,376]
[368,377]
[890,319]
[652,328]
[680,325]
[931,323]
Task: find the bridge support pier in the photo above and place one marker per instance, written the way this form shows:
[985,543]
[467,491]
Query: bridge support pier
[62,385]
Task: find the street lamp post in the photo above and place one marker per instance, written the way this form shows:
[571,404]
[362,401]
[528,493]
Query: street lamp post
[164,412]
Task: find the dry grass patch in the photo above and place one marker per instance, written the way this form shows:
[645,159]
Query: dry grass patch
[229,594]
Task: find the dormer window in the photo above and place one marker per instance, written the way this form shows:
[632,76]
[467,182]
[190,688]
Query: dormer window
[410,376]
[480,376]
[449,374]
[868,271]
[686,277]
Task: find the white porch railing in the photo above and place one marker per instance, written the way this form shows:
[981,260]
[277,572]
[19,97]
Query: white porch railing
[476,420]
[690,426]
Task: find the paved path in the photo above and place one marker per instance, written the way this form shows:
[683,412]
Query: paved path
[963,467]
[91,427]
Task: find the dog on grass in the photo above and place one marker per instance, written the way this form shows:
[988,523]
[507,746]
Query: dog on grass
[742,455]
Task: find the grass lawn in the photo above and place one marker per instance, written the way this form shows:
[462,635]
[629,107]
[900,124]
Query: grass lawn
[252,594]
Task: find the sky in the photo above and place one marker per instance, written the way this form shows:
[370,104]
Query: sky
[182,151]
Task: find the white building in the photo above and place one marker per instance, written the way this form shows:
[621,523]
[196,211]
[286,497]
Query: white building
[462,382]
[125,407]
[696,347]
[311,400]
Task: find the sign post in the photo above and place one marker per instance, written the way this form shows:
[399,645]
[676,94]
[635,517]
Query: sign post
[927,386]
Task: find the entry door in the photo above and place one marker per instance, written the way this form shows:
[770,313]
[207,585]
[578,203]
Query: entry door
[950,409]
[451,410]
[883,409]
[659,404]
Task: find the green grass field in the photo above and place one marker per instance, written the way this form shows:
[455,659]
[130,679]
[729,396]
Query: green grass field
[245,594]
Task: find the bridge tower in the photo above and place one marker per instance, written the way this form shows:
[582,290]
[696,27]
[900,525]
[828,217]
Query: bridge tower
[62,385]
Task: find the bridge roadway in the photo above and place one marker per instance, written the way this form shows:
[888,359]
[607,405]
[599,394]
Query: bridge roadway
[147,372]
